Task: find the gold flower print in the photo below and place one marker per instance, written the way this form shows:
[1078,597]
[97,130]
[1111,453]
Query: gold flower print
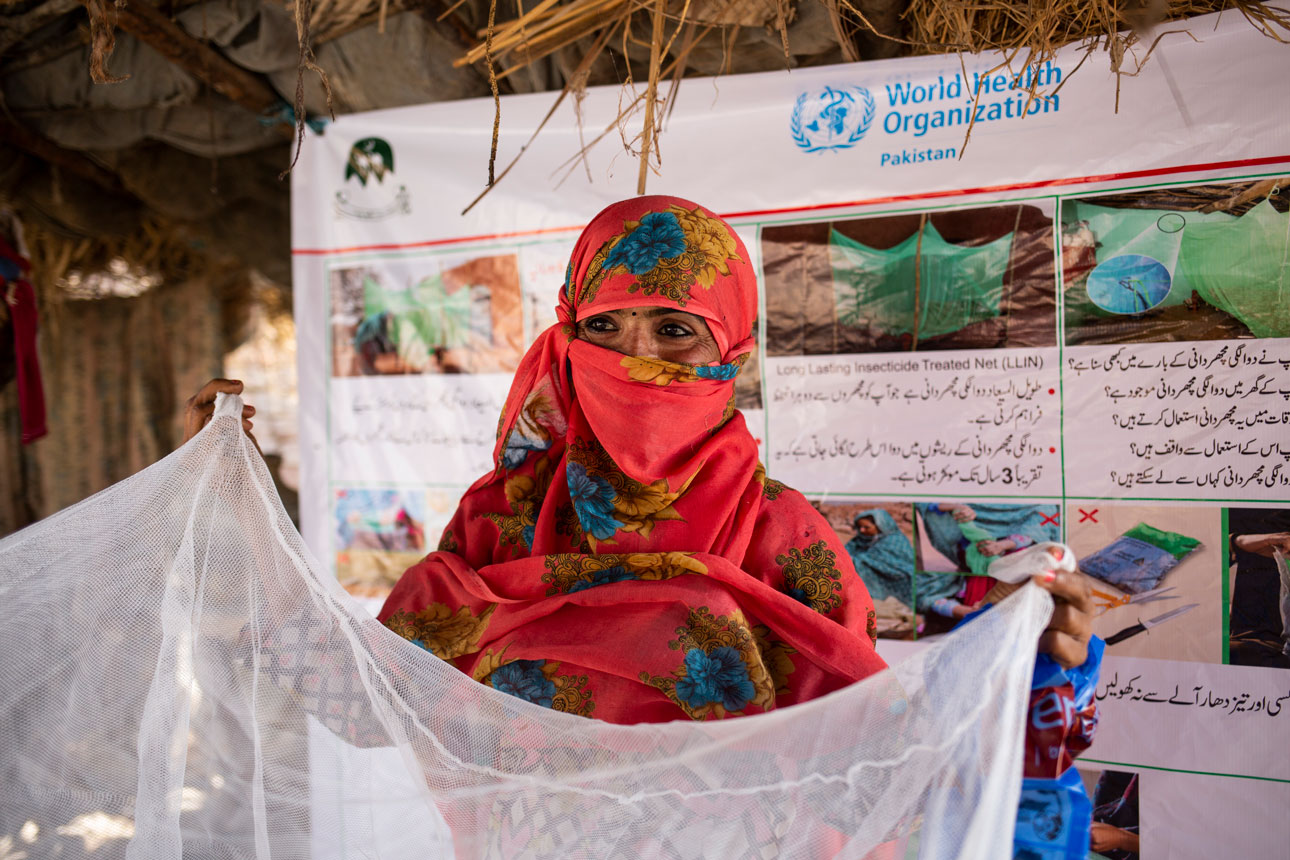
[770,488]
[776,655]
[657,371]
[524,494]
[441,630]
[572,572]
[636,507]
[710,243]
[812,576]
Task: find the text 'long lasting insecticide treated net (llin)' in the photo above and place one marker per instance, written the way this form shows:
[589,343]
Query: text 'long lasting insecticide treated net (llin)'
[180,678]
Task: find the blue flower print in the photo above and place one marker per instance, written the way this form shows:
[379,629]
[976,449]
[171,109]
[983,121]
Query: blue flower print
[518,447]
[593,500]
[720,371]
[617,573]
[527,534]
[717,678]
[524,680]
[659,237]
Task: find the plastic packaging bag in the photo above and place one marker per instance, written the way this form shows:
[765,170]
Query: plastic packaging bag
[1137,560]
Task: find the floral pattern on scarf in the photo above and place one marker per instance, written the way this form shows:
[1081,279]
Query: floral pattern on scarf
[669,252]
[440,630]
[536,681]
[524,495]
[572,572]
[770,488]
[661,372]
[606,501]
[722,670]
[811,576]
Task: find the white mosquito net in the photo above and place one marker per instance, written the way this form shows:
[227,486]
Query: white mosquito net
[179,677]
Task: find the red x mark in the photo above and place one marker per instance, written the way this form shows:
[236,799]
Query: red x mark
[1087,515]
[1055,519]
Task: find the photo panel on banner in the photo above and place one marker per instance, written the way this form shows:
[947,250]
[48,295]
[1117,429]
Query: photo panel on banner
[915,352]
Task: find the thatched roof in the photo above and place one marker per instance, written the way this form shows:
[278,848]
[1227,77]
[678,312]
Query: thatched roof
[128,120]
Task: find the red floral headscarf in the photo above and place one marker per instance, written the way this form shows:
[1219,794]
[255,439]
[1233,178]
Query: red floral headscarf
[655,252]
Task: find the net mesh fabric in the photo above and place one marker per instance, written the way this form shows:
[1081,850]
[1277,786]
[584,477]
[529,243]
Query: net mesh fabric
[1240,265]
[958,284]
[179,677]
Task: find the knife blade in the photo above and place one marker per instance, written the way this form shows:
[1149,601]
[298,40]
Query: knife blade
[1143,626]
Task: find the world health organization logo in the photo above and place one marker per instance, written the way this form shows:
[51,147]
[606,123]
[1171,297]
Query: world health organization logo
[832,118]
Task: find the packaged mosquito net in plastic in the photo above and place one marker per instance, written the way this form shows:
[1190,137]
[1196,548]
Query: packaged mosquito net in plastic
[1138,559]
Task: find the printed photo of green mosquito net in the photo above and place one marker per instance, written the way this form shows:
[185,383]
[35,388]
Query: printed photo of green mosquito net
[415,316]
[924,286]
[953,279]
[419,318]
[1167,274]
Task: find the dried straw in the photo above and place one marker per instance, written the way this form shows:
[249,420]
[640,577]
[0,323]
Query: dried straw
[305,62]
[102,41]
[1027,33]
[648,134]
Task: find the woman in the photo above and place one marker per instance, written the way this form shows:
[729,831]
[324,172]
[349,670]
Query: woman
[627,558]
[883,556]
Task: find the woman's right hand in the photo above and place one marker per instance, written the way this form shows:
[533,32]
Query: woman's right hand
[201,406]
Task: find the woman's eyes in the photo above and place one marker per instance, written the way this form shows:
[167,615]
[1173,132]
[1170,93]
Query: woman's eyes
[607,325]
[600,325]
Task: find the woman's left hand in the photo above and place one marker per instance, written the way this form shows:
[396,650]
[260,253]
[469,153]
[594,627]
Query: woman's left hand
[1066,637]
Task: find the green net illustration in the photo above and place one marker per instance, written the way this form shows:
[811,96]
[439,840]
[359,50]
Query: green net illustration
[957,285]
[421,318]
[1242,266]
[1149,258]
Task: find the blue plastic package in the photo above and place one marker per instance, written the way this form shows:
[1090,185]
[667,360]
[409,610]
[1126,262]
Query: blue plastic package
[1130,564]
[1055,813]
[1053,819]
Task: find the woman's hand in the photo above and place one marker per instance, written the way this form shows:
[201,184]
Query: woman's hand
[1106,837]
[201,406]
[961,513]
[1066,637]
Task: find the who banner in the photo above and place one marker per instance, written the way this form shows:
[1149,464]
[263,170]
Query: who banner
[1074,327]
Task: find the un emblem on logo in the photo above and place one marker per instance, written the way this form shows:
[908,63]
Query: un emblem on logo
[833,118]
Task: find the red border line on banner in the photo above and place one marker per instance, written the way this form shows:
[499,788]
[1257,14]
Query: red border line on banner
[897,198]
